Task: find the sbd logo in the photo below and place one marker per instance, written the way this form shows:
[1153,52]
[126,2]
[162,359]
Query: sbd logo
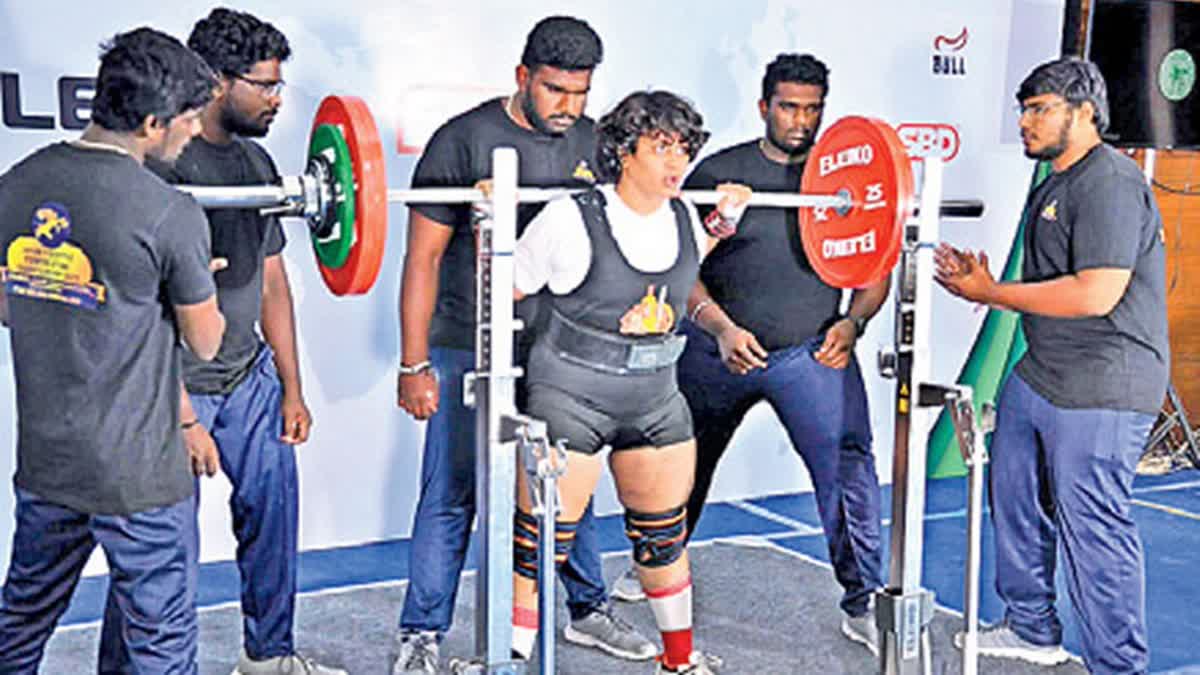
[932,139]
[74,103]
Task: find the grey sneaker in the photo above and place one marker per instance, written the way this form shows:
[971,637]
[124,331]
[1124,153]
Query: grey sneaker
[861,629]
[698,664]
[1000,641]
[605,631]
[628,587]
[417,654]
[293,664]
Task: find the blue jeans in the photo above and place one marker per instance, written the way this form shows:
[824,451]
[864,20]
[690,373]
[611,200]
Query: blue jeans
[151,583]
[824,411]
[246,424]
[1067,480]
[442,524]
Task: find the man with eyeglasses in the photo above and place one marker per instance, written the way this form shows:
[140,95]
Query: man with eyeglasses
[245,410]
[1077,410]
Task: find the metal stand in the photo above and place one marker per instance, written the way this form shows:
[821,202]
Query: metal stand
[971,443]
[544,464]
[904,609]
[500,432]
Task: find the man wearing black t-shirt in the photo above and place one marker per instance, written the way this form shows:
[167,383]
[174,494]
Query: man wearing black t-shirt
[105,269]
[763,326]
[544,121]
[245,409]
[1076,412]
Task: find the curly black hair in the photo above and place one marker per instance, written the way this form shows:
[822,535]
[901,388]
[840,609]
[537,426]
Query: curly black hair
[800,68]
[562,42]
[145,72]
[645,113]
[232,42]
[1076,80]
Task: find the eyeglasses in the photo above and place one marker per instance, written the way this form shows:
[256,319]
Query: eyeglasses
[268,89]
[1037,109]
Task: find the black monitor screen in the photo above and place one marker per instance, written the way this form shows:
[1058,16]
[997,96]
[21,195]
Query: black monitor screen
[1149,52]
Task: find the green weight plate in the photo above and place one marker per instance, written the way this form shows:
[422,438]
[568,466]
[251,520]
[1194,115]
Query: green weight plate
[333,249]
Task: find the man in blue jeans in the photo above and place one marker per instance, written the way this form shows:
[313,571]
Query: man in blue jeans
[106,269]
[246,408]
[764,327]
[544,121]
[1076,412]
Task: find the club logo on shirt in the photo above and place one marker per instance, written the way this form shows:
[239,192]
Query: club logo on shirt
[583,172]
[1051,212]
[47,266]
[652,315]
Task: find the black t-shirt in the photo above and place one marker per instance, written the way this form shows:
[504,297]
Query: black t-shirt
[1099,213]
[243,237]
[97,251]
[760,276]
[460,155]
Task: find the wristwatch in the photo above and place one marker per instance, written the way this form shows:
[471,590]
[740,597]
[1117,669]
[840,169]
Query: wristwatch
[860,324]
[416,368]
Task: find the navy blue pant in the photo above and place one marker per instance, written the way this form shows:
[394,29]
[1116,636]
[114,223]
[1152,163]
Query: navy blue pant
[442,524]
[824,411]
[1067,480]
[246,425]
[151,583]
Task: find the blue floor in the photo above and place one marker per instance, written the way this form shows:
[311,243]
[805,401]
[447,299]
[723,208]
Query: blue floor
[1167,512]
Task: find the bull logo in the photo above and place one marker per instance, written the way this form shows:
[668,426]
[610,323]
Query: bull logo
[946,44]
[51,224]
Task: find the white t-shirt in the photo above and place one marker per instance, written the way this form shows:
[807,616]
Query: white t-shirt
[555,250]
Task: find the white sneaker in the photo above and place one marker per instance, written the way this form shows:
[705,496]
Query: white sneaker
[293,664]
[628,587]
[1002,642]
[862,629]
[698,664]
[605,631]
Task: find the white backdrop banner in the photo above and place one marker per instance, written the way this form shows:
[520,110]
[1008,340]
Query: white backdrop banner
[943,71]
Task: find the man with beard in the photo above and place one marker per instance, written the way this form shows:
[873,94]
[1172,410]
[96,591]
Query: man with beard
[763,326]
[544,121]
[1076,412]
[246,408]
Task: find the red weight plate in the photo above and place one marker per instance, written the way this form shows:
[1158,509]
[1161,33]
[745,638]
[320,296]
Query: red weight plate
[865,159]
[906,198]
[361,268]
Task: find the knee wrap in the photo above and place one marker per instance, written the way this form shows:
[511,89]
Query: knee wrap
[657,538]
[525,543]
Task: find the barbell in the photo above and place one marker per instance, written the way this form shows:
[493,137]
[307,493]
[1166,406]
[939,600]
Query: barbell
[856,194]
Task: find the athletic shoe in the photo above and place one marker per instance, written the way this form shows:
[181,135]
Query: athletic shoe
[293,664]
[628,587]
[1000,641]
[698,664]
[605,631]
[862,629]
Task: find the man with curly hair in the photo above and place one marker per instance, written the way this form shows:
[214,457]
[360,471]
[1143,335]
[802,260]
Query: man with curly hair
[544,121]
[245,410]
[100,457]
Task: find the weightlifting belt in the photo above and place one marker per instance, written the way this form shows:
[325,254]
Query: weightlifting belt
[608,352]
